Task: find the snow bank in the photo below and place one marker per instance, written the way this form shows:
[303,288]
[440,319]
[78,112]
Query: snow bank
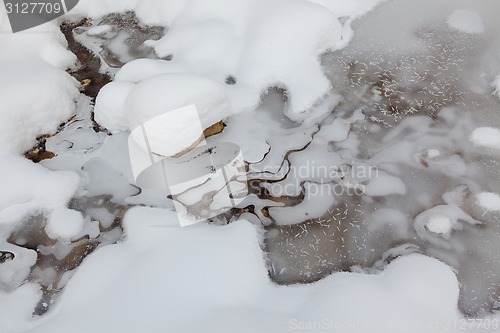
[496,85]
[164,276]
[110,104]
[32,188]
[487,137]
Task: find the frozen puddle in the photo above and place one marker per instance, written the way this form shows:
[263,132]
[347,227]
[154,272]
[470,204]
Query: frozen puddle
[407,161]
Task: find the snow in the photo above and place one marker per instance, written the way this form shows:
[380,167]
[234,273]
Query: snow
[64,224]
[215,279]
[384,184]
[162,94]
[466,20]
[142,69]
[487,137]
[209,44]
[318,199]
[99,31]
[45,42]
[489,201]
[31,188]
[110,104]
[496,85]
[36,93]
[173,275]
[13,273]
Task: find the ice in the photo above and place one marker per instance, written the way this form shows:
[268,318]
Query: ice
[487,137]
[100,31]
[18,306]
[101,179]
[45,43]
[466,20]
[37,94]
[142,69]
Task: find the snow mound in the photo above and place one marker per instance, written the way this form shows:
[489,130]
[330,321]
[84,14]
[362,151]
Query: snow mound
[167,93]
[496,85]
[32,188]
[487,137]
[36,99]
[166,276]
[440,225]
[466,20]
[489,201]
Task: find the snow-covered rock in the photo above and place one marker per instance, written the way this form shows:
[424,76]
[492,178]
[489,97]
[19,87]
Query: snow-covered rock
[64,224]
[110,105]
[258,44]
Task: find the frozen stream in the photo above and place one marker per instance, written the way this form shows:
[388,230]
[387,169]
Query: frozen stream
[389,171]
